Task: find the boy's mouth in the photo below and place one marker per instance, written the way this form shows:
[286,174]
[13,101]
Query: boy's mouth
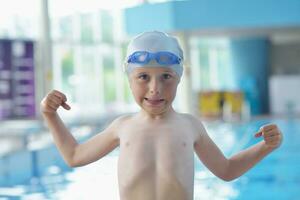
[154,102]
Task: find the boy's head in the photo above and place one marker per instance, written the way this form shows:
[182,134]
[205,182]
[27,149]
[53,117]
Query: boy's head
[154,49]
[154,67]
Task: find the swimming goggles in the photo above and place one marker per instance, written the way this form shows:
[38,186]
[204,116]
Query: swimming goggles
[161,57]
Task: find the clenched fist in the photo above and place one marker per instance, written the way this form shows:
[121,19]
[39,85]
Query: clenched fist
[52,101]
[271,134]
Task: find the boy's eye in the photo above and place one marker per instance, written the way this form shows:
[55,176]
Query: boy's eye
[143,76]
[167,76]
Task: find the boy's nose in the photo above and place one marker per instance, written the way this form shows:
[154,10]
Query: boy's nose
[155,87]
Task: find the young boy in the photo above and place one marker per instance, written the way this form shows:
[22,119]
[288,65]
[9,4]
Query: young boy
[157,144]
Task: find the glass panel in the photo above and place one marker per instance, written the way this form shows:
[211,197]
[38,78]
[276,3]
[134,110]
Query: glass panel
[109,79]
[86,28]
[67,71]
[204,68]
[106,26]
[65,28]
[213,61]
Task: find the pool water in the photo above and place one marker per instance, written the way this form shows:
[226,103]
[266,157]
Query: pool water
[277,177]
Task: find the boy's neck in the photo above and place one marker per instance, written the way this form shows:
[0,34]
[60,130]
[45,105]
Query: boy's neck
[151,116]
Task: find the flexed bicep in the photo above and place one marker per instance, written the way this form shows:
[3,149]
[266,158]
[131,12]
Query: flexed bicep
[209,153]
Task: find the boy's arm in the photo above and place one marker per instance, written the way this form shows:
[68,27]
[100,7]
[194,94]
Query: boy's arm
[208,152]
[73,153]
[229,169]
[246,159]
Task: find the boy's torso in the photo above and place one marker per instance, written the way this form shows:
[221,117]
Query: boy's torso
[156,159]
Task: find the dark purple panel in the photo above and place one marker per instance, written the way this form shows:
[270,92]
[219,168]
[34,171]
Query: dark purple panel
[17,89]
[6,90]
[23,65]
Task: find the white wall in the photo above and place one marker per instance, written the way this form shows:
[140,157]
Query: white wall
[285,94]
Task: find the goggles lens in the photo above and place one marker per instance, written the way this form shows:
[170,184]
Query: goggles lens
[162,58]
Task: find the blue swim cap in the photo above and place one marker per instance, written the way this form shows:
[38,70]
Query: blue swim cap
[154,41]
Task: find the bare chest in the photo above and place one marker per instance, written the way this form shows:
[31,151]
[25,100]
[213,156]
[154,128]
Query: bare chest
[157,143]
[157,156]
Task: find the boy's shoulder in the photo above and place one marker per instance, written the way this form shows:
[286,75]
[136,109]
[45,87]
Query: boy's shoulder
[194,120]
[195,124]
[126,119]
[123,118]
[116,124]
[190,117]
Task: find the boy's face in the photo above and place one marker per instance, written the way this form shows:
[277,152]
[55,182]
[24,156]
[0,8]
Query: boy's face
[154,88]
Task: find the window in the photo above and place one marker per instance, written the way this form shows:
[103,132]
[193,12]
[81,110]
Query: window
[210,64]
[89,56]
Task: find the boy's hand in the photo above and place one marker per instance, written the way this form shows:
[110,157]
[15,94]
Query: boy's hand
[52,101]
[272,135]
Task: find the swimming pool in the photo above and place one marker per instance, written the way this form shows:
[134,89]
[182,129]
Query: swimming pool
[277,177]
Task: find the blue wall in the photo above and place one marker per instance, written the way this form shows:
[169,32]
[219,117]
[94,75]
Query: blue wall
[249,62]
[212,14]
[149,17]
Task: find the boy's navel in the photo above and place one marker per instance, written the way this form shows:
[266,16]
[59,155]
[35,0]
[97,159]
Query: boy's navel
[184,144]
[127,144]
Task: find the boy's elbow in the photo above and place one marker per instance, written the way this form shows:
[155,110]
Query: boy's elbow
[227,174]
[227,178]
[71,163]
[75,162]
